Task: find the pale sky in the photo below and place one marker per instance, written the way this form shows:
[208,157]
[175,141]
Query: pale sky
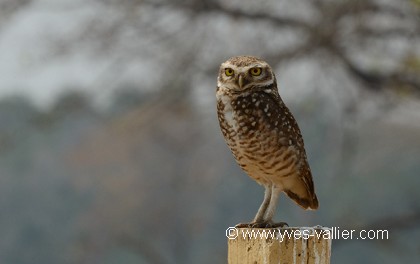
[26,65]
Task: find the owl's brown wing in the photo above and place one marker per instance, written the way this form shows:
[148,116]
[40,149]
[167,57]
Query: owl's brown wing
[301,190]
[299,186]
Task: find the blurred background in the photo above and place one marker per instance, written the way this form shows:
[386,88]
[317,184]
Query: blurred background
[110,150]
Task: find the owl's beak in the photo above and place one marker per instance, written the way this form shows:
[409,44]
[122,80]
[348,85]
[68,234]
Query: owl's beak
[240,80]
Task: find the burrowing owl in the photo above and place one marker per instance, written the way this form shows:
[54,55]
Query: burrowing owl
[263,135]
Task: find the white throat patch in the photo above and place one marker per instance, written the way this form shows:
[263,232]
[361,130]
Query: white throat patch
[228,110]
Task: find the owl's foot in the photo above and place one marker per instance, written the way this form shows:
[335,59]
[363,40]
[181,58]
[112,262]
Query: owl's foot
[262,225]
[243,225]
[251,225]
[279,224]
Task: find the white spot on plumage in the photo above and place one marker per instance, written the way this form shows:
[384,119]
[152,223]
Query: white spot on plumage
[228,110]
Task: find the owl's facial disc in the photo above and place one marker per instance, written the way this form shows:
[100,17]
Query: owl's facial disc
[238,78]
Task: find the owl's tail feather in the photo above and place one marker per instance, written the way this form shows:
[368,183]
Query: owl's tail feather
[301,191]
[306,202]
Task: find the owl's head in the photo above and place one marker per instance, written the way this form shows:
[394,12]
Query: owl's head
[243,73]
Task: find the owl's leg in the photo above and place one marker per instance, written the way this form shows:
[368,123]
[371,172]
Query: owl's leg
[275,192]
[269,214]
[258,220]
[263,207]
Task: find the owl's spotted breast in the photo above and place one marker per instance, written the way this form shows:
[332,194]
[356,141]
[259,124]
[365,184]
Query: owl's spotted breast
[259,132]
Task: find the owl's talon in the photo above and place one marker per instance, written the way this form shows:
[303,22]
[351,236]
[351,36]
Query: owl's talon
[243,225]
[262,225]
[252,225]
[279,224]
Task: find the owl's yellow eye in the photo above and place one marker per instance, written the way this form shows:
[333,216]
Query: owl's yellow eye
[229,72]
[255,71]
